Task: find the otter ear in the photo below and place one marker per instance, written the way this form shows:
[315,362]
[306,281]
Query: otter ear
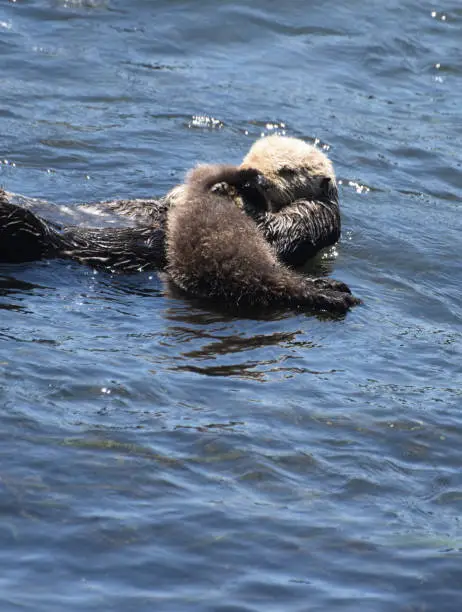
[324,183]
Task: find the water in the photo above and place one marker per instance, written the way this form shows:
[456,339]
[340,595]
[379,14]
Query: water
[159,456]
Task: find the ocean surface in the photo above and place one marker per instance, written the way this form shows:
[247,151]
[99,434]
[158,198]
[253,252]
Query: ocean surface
[160,456]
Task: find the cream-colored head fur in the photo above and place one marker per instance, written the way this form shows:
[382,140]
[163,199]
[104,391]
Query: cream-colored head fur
[294,168]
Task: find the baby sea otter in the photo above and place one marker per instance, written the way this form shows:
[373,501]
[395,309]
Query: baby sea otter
[300,216]
[216,251]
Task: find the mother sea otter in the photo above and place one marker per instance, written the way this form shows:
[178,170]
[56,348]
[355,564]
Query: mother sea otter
[301,216]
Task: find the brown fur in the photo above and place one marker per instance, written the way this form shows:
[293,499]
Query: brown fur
[216,251]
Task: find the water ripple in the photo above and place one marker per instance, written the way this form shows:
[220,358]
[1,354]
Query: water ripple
[158,454]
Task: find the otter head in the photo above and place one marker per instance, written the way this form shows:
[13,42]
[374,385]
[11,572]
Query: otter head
[294,171]
[239,184]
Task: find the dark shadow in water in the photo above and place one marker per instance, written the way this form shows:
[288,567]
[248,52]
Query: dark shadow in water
[12,286]
[237,344]
[205,360]
[250,370]
[9,284]
[211,427]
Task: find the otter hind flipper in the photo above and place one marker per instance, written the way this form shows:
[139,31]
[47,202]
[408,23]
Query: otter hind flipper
[25,236]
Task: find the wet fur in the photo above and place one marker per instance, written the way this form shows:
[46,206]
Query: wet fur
[301,218]
[25,236]
[304,214]
[216,251]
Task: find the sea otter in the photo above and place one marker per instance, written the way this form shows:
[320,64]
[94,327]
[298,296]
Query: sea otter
[216,251]
[303,216]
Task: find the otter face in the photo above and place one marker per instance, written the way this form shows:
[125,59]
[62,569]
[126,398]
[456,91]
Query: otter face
[294,170]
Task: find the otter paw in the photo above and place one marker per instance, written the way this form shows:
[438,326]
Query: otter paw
[331,284]
[335,301]
[221,188]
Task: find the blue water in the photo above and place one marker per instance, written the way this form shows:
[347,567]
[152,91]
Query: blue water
[157,456]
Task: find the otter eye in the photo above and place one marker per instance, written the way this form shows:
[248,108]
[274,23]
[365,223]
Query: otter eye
[287,171]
